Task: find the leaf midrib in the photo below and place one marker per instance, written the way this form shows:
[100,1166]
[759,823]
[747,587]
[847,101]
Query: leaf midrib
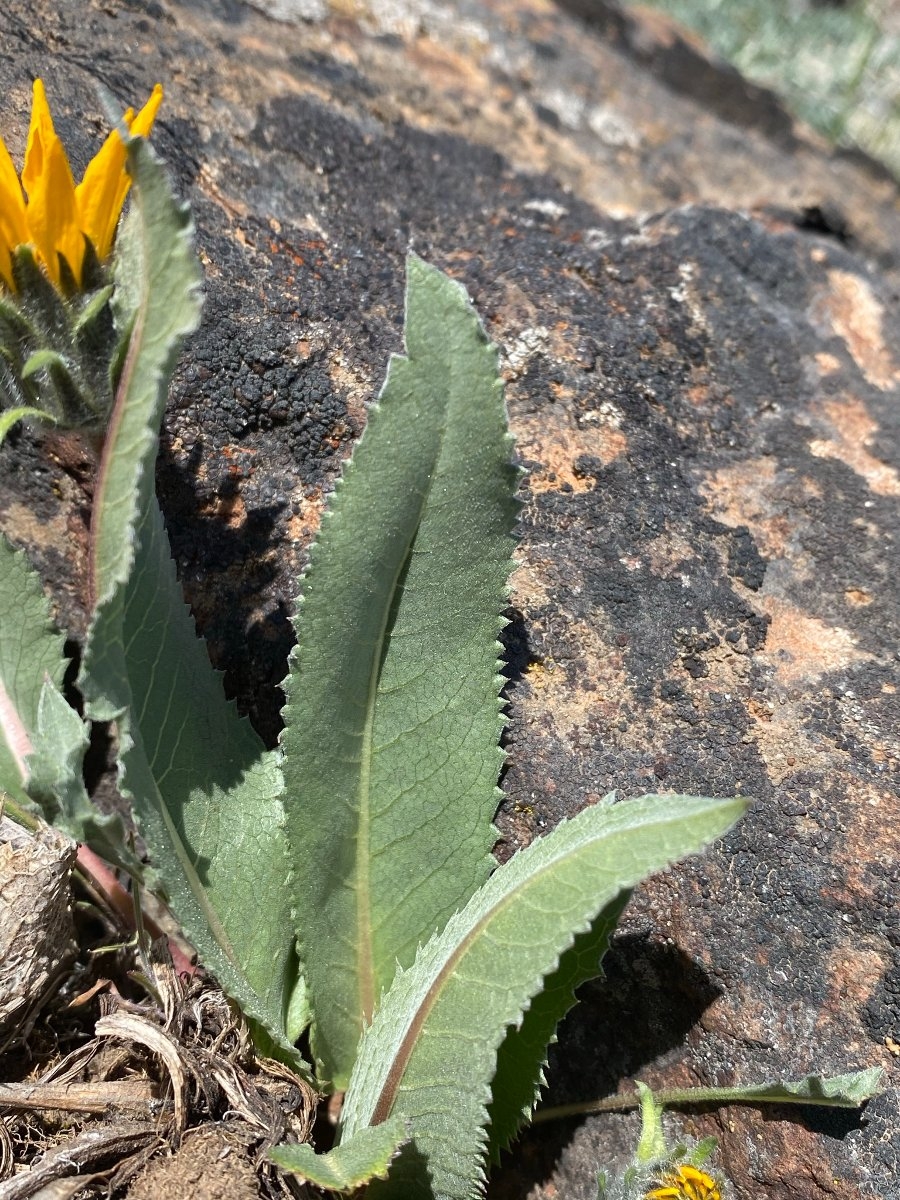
[385,1102]
[406,1047]
[113,431]
[366,960]
[101,590]
[14,733]
[132,724]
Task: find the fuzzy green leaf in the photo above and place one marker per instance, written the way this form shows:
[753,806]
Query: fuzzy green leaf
[431,1051]
[43,739]
[359,1160]
[93,311]
[43,360]
[31,651]
[56,783]
[393,715]
[15,330]
[50,374]
[56,349]
[832,1091]
[205,792]
[828,1091]
[652,1144]
[42,308]
[156,261]
[24,412]
[299,1011]
[523,1053]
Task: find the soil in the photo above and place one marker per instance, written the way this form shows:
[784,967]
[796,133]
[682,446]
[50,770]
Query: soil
[213,1163]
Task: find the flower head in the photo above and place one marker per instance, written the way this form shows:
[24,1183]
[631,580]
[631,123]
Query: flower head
[48,211]
[684,1182]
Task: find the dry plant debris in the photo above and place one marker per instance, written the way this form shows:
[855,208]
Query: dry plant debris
[155,1070]
[36,937]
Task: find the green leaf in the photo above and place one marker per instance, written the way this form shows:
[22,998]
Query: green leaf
[31,650]
[360,1159]
[839,1091]
[22,413]
[832,1091]
[158,268]
[40,305]
[51,374]
[701,1151]
[43,360]
[94,310]
[55,352]
[652,1144]
[431,1050]
[393,713]
[56,783]
[522,1054]
[43,739]
[299,1010]
[15,330]
[835,1091]
[205,792]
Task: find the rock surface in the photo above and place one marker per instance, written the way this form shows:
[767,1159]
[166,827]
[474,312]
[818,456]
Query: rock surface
[698,310]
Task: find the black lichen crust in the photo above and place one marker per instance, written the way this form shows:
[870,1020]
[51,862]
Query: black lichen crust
[707,404]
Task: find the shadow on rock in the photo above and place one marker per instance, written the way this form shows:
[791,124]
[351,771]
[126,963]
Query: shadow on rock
[622,1023]
[248,637]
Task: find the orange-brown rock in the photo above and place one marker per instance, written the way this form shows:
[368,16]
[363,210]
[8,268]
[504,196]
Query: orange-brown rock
[697,305]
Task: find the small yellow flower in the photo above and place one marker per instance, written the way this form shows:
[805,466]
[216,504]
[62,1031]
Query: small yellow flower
[47,210]
[685,1183]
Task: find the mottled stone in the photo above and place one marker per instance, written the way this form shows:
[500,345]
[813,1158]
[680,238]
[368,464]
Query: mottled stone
[697,305]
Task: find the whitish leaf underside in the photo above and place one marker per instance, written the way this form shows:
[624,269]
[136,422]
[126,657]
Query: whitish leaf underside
[393,716]
[31,650]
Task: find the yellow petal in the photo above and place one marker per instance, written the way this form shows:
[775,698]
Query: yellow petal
[685,1183]
[13,229]
[143,122]
[53,213]
[105,185]
[98,192]
[40,134]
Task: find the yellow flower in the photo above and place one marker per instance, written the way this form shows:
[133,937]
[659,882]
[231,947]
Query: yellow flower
[685,1183]
[57,216]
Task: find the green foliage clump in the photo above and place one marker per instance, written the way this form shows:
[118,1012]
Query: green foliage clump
[836,65]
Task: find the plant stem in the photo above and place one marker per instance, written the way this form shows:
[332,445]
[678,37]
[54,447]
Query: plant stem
[667,1097]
